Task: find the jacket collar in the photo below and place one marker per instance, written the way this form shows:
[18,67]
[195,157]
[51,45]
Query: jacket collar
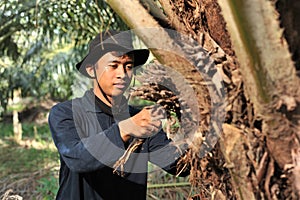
[92,103]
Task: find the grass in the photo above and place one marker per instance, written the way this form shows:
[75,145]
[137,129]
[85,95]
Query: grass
[164,186]
[30,167]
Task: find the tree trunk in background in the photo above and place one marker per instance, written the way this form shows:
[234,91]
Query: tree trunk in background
[289,21]
[17,126]
[258,154]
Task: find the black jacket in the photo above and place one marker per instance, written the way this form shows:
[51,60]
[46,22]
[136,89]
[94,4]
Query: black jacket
[87,137]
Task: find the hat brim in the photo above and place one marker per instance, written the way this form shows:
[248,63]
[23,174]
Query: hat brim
[140,56]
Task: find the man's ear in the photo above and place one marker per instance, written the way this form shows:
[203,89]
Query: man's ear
[90,70]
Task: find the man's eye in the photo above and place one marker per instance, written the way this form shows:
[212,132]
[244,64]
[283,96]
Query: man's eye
[113,66]
[129,66]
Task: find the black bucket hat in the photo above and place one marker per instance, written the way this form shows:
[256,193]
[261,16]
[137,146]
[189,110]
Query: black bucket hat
[109,41]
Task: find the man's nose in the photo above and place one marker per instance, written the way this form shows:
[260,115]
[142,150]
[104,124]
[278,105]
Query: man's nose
[121,71]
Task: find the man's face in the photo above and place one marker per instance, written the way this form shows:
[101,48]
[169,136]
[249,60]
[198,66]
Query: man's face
[114,73]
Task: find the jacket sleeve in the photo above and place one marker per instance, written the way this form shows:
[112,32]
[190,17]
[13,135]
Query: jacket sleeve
[83,154]
[165,154]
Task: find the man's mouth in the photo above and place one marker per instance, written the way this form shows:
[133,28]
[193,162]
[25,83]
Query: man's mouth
[120,85]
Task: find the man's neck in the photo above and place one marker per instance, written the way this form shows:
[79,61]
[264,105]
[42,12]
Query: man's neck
[99,94]
[108,100]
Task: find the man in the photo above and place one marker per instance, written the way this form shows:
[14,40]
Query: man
[92,132]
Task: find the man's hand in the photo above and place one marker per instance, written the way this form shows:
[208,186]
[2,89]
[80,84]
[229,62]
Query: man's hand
[144,124]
